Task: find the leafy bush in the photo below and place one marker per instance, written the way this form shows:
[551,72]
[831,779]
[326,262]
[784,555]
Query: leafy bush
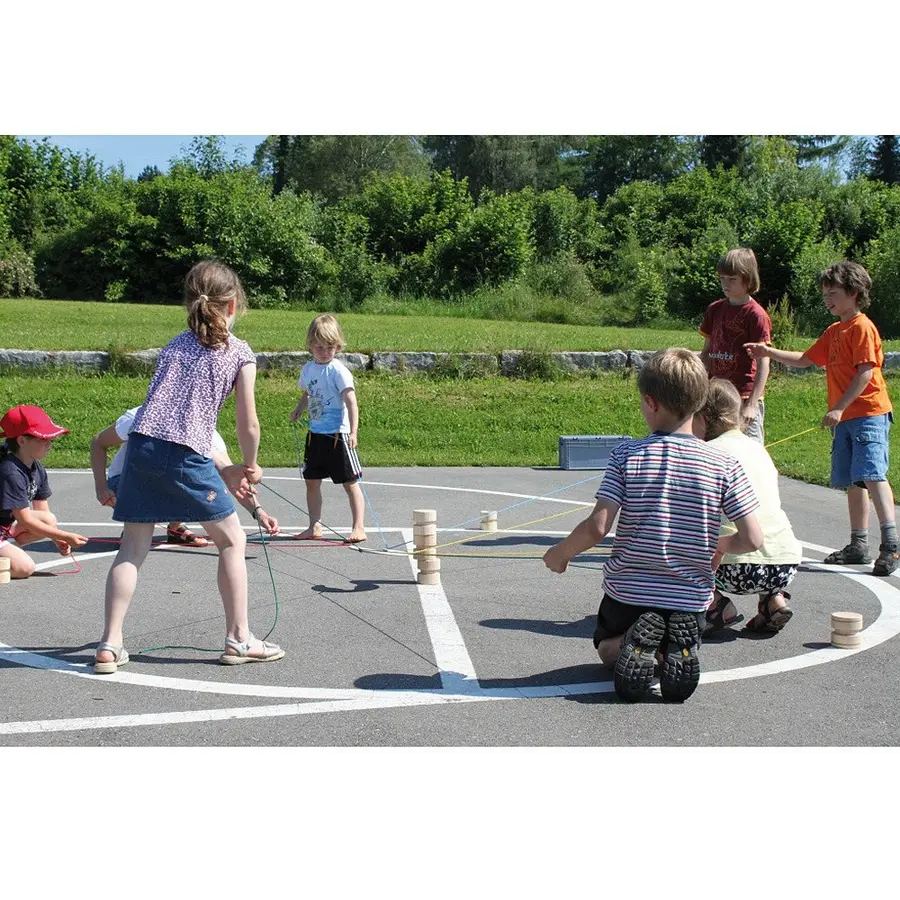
[17,272]
[784,325]
[694,281]
[805,296]
[883,263]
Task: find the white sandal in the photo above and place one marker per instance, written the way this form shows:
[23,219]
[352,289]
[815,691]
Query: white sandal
[120,657]
[242,652]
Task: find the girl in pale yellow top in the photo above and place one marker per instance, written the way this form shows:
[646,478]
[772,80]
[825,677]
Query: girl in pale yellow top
[769,570]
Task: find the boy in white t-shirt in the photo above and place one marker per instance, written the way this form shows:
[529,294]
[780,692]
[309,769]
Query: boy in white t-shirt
[330,398]
[106,482]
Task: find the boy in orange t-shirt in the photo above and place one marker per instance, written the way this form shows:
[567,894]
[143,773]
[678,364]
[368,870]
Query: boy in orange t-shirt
[859,410]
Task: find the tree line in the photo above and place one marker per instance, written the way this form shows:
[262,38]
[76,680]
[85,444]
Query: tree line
[620,229]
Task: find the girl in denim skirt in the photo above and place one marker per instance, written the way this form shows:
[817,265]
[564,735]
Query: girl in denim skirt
[170,473]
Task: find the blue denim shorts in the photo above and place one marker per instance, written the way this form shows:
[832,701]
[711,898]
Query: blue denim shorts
[166,482]
[859,450]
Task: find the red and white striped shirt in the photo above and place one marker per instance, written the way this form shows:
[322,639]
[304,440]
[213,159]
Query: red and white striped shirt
[671,490]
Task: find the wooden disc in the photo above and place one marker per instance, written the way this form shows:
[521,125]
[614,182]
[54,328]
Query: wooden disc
[844,628]
[4,563]
[489,526]
[429,578]
[850,618]
[846,641]
[424,516]
[429,530]
[429,550]
[4,577]
[429,564]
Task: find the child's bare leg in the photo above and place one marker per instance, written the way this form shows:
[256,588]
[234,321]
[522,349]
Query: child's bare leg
[121,582]
[883,500]
[231,542]
[357,511]
[23,536]
[21,565]
[314,505]
[858,506]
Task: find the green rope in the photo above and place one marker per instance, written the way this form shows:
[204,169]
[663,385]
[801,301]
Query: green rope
[264,543]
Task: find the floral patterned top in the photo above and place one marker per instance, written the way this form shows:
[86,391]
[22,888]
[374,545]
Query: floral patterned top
[188,389]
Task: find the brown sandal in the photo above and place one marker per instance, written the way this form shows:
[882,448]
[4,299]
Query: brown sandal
[185,538]
[769,622]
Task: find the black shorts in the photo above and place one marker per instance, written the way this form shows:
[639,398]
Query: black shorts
[328,456]
[615,617]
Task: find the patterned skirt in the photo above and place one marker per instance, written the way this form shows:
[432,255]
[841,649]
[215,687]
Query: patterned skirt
[754,578]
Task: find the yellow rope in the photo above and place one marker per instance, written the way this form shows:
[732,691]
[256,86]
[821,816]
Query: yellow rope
[479,534]
[814,428]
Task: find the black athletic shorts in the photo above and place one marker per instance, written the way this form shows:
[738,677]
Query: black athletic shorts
[328,456]
[615,617]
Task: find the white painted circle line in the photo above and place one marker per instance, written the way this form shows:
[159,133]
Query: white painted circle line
[886,626]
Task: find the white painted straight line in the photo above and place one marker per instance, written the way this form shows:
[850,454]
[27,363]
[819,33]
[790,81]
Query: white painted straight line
[220,715]
[455,667]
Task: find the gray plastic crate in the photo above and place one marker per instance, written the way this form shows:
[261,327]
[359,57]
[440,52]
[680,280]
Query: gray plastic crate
[587,451]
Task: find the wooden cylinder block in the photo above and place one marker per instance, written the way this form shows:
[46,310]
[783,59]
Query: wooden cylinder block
[488,520]
[844,628]
[4,563]
[4,577]
[429,578]
[425,531]
[846,641]
[424,516]
[846,620]
[429,564]
[429,550]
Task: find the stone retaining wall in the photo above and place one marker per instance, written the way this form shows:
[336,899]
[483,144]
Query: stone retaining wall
[508,363]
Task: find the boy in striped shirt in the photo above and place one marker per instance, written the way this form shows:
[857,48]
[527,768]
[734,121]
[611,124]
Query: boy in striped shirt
[669,490]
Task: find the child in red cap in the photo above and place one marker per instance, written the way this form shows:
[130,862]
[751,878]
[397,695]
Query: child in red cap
[25,515]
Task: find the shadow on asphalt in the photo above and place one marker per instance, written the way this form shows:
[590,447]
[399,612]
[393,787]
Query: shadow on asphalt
[581,628]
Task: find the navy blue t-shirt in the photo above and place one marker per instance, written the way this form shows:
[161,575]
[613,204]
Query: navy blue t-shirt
[20,485]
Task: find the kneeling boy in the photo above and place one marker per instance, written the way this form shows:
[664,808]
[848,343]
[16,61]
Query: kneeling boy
[669,490]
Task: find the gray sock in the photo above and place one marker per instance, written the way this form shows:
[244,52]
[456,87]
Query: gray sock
[860,538]
[889,533]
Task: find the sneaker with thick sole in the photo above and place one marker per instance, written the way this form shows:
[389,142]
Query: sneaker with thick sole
[888,559]
[680,672]
[634,667]
[851,555]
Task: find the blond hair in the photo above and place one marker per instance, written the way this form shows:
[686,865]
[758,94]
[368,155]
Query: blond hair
[325,330]
[676,379]
[722,410]
[208,289]
[741,261]
[851,278]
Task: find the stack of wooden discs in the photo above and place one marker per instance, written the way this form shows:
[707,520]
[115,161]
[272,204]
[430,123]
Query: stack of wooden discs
[845,628]
[425,543]
[489,520]
[4,570]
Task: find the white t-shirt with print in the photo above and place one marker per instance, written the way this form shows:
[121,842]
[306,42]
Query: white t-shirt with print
[325,386]
[124,426]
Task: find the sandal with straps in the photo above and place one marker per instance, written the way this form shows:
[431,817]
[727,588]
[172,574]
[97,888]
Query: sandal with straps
[767,621]
[715,616]
[241,654]
[110,667]
[185,537]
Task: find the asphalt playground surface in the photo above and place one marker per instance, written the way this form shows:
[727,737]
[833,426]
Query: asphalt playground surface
[499,654]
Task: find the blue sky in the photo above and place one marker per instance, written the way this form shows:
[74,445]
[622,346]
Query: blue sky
[139,150]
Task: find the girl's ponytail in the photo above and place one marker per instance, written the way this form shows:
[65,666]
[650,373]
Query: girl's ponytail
[208,289]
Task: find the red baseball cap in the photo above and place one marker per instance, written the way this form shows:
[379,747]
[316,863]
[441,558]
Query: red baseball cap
[29,420]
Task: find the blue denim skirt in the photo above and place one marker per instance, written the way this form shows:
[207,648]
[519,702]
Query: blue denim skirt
[166,482]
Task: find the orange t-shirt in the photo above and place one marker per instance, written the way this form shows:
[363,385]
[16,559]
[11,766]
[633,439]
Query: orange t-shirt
[842,347]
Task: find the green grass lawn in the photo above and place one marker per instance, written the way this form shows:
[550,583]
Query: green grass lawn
[70,325]
[423,421]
